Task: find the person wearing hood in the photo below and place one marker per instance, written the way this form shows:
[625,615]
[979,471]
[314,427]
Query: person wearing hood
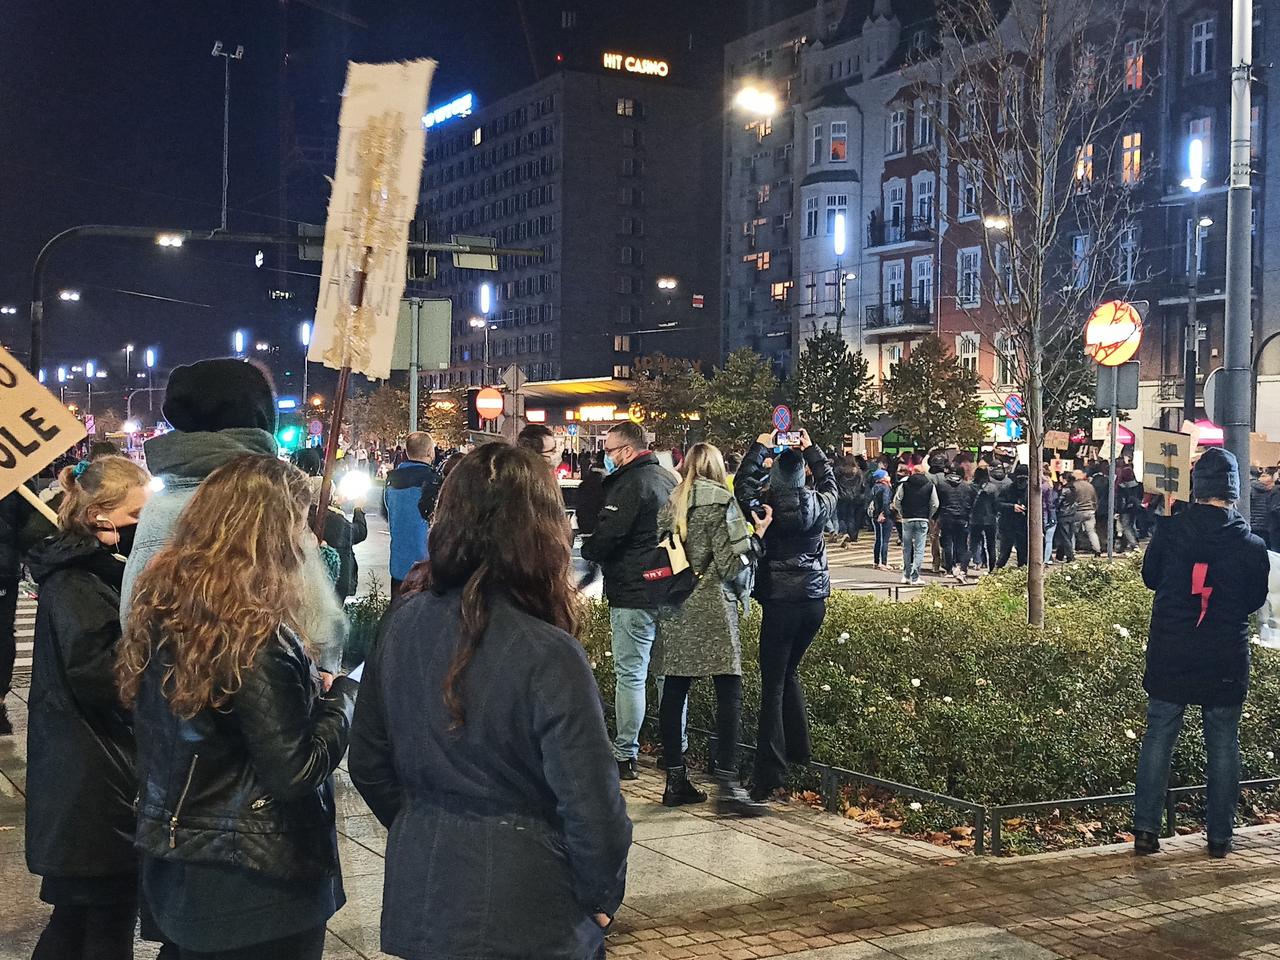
[221,409]
[1013,516]
[1209,574]
[983,519]
[80,749]
[636,487]
[700,637]
[851,508]
[792,585]
[408,502]
[956,498]
[880,509]
[1128,506]
[915,503]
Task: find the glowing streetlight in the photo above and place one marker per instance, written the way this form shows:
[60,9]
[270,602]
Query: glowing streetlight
[70,296]
[486,298]
[304,333]
[151,358]
[262,346]
[760,103]
[62,374]
[169,239]
[667,283]
[997,223]
[237,341]
[8,311]
[42,374]
[838,235]
[1206,221]
[1195,166]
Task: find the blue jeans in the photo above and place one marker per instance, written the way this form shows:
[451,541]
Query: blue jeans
[915,537]
[633,635]
[884,533]
[1049,532]
[1222,743]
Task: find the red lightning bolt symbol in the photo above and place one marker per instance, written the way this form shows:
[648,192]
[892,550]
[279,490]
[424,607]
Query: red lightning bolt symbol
[1199,572]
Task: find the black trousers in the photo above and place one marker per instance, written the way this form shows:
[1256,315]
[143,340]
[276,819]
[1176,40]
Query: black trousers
[8,639]
[675,691]
[786,630]
[955,544]
[307,945]
[983,536]
[88,933]
[1013,536]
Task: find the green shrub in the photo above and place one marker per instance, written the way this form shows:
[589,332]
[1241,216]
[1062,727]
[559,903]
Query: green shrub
[953,692]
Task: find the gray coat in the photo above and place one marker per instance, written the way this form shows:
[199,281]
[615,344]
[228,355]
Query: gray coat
[700,637]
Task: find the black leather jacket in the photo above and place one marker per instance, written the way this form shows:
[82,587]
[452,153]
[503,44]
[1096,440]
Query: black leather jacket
[249,786]
[626,531]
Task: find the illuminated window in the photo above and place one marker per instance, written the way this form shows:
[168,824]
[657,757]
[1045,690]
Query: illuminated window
[1084,167]
[837,203]
[897,131]
[1133,65]
[762,261]
[477,135]
[622,344]
[1131,158]
[924,123]
[839,141]
[1202,42]
[779,292]
[626,107]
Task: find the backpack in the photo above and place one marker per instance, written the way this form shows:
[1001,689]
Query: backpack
[668,577]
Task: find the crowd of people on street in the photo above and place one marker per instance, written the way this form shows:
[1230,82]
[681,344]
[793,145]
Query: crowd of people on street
[188,707]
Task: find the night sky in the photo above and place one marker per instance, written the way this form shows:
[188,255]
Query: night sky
[111,112]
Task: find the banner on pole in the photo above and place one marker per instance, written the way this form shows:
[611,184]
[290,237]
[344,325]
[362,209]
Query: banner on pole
[35,428]
[375,192]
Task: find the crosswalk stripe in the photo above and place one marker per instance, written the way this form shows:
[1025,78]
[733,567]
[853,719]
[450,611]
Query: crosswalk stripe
[25,631]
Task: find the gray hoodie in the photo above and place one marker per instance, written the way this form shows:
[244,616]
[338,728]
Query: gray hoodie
[183,460]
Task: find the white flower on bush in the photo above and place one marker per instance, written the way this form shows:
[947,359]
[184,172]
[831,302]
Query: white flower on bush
[981,682]
[608,653]
[916,805]
[826,688]
[947,700]
[938,604]
[843,638]
[1068,578]
[1131,735]
[871,709]
[1123,631]
[1270,755]
[915,681]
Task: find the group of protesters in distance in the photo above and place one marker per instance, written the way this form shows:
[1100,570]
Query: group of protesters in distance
[188,707]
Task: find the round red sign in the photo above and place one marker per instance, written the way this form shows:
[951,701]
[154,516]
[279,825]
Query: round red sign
[1113,333]
[489,403]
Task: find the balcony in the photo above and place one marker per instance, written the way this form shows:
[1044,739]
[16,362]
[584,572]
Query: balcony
[908,232]
[911,316]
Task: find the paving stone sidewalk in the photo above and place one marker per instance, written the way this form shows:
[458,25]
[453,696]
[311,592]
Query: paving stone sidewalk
[812,886]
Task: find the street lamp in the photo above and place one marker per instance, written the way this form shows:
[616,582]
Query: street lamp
[237,342]
[88,380]
[753,100]
[486,298]
[262,346]
[128,355]
[72,296]
[1194,183]
[227,57]
[150,358]
[996,223]
[169,239]
[478,323]
[304,337]
[839,244]
[667,283]
[42,374]
[9,311]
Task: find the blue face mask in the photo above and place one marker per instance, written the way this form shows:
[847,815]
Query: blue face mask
[610,464]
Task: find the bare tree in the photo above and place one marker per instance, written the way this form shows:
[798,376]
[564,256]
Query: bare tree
[1036,107]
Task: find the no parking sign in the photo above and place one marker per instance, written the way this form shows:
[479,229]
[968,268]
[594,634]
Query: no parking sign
[782,418]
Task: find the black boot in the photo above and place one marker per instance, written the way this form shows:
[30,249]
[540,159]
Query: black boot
[1145,842]
[732,800]
[6,726]
[679,790]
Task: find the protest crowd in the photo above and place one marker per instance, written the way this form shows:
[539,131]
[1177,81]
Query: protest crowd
[189,704]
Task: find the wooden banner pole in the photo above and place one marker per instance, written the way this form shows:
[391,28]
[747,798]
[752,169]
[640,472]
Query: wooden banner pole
[43,508]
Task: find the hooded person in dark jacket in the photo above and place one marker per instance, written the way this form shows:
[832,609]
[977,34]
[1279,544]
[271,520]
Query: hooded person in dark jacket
[1012,505]
[956,498]
[15,522]
[792,585]
[1209,574]
[636,487]
[80,753]
[851,507]
[983,519]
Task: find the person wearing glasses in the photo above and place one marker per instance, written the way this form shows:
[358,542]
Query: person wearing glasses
[539,438]
[636,487]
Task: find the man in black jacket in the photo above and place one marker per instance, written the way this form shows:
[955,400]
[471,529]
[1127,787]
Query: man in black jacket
[956,496]
[1209,574]
[1013,516]
[14,516]
[636,488]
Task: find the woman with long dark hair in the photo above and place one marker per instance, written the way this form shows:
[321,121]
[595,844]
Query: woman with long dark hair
[80,775]
[237,738]
[480,739]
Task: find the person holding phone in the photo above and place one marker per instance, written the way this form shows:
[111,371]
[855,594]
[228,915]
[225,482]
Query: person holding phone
[792,585]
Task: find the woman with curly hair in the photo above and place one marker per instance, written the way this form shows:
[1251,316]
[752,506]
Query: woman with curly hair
[237,737]
[480,740]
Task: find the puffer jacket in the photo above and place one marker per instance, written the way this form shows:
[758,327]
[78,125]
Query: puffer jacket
[1209,574]
[795,554]
[408,500]
[626,531]
[250,785]
[957,497]
[986,501]
[80,779]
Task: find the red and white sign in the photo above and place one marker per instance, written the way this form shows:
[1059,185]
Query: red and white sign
[699,301]
[1112,333]
[489,404]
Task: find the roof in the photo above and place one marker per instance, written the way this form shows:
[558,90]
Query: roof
[831,176]
[584,388]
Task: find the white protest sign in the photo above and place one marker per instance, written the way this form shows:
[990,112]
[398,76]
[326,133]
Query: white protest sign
[375,192]
[35,428]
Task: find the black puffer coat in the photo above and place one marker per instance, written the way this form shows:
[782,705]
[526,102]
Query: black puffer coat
[626,531]
[795,554]
[249,786]
[956,496]
[1209,574]
[80,781]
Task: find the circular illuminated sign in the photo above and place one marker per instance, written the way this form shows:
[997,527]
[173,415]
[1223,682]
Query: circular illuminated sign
[1113,333]
[489,403]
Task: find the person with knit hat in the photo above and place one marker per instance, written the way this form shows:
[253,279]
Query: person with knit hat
[1209,574]
[879,508]
[792,585]
[220,409]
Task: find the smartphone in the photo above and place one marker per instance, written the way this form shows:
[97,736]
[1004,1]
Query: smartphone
[789,439]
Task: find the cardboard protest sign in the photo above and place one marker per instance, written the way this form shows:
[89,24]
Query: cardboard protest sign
[35,428]
[375,192]
[1166,456]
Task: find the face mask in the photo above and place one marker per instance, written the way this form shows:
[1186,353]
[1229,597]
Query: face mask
[126,535]
[610,464]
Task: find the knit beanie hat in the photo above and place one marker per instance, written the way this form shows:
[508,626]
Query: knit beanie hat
[220,394]
[1216,476]
[879,475]
[788,470]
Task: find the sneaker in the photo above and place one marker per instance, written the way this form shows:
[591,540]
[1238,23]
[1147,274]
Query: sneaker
[1145,843]
[627,770]
[917,582]
[961,577]
[1219,850]
[905,578]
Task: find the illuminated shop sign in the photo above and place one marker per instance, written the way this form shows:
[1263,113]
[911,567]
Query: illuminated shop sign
[623,61]
[458,107]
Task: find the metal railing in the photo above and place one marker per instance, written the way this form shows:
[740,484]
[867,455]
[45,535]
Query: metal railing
[907,313]
[884,233]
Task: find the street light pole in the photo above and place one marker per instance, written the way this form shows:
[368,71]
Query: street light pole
[1238,319]
[227,57]
[1191,337]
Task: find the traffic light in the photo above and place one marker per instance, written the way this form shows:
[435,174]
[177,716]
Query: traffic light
[288,438]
